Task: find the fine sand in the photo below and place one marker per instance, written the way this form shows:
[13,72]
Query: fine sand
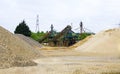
[15,51]
[29,40]
[105,42]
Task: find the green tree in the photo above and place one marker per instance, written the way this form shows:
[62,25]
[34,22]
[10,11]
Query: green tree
[22,28]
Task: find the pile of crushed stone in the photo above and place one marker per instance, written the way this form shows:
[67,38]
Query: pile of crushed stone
[29,40]
[107,42]
[15,51]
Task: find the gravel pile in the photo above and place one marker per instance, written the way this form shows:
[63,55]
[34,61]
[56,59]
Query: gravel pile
[106,42]
[81,42]
[29,40]
[15,51]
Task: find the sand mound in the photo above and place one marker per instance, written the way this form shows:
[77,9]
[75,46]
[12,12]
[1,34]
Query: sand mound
[104,42]
[14,51]
[81,42]
[29,40]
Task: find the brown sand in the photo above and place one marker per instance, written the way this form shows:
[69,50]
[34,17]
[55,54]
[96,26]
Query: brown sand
[106,42]
[14,51]
[81,42]
[29,40]
[69,65]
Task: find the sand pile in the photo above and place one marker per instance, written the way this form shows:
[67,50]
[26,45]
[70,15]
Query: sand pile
[81,42]
[107,42]
[14,51]
[29,40]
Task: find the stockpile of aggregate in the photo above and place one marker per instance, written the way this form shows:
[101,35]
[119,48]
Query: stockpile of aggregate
[29,40]
[107,42]
[15,51]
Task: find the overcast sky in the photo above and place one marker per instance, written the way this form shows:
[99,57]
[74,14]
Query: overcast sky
[96,15]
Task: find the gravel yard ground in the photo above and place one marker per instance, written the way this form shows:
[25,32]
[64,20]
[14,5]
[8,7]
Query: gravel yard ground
[69,65]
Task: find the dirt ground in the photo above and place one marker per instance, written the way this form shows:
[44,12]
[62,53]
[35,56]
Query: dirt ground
[62,60]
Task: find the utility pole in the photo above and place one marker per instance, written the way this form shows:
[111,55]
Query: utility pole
[37,24]
[52,27]
[81,27]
